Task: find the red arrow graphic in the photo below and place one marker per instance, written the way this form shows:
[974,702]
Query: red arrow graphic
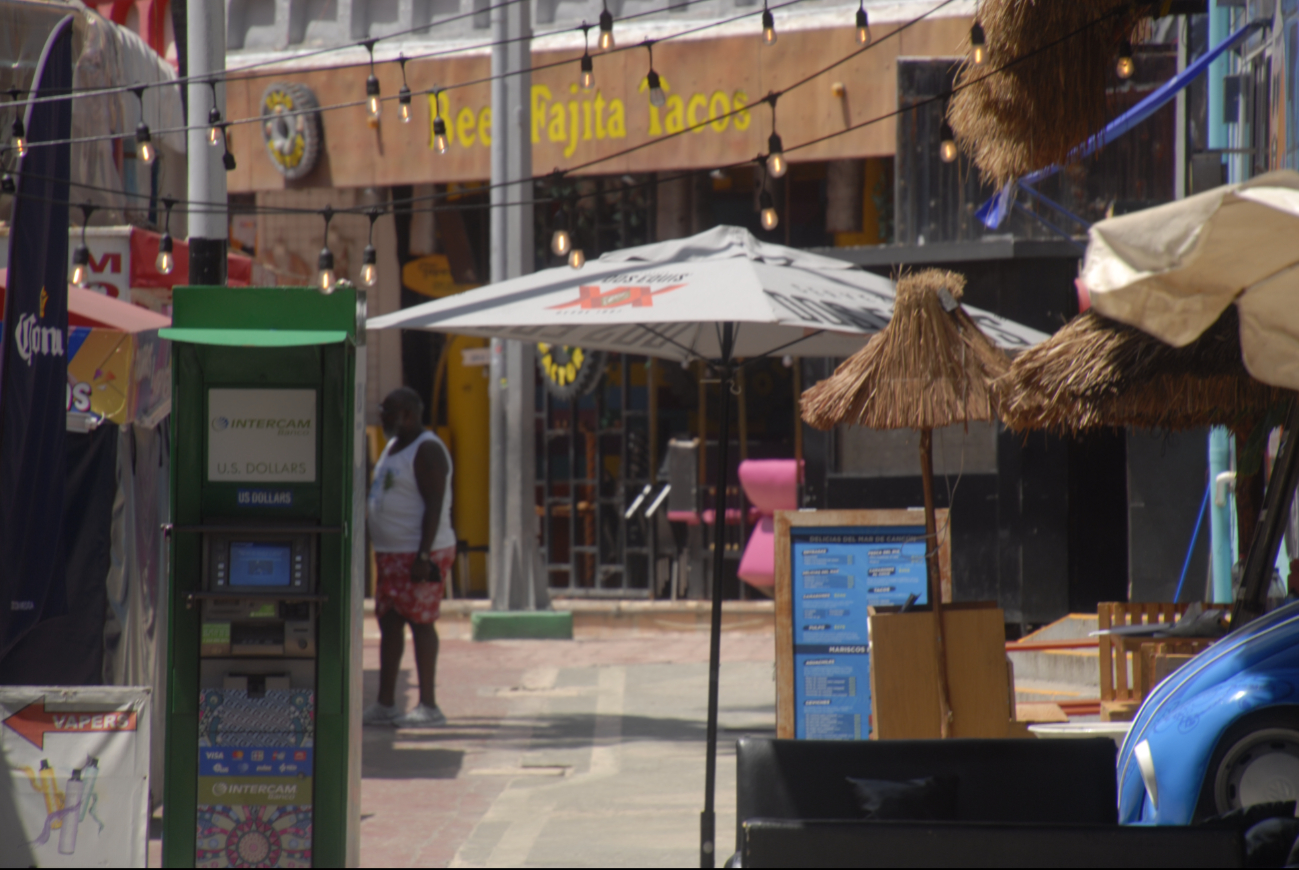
[33,722]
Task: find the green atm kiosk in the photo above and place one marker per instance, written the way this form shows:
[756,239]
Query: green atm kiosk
[263,754]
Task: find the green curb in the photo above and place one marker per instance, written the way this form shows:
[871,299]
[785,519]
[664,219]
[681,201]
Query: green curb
[522,625]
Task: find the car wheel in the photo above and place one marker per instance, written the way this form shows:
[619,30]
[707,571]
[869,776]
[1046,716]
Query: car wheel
[1257,761]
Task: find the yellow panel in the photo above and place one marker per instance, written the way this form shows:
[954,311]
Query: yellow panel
[468,421]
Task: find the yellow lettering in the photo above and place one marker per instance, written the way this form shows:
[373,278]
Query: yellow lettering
[719,105]
[676,118]
[558,130]
[740,99]
[540,97]
[618,119]
[586,120]
[485,127]
[599,115]
[696,101]
[465,126]
[573,130]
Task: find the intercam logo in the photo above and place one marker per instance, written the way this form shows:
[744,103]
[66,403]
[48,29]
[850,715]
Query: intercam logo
[268,791]
[282,425]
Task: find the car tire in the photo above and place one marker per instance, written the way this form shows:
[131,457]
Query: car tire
[1256,761]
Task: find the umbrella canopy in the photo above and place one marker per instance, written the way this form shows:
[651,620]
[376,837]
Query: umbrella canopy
[931,366]
[1172,270]
[1099,372]
[667,299]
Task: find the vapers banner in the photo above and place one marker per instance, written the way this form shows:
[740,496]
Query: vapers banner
[33,357]
[74,776]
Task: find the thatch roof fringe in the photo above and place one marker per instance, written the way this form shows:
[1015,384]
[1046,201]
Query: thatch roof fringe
[1097,372]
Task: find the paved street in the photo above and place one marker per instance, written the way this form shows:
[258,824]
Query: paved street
[579,753]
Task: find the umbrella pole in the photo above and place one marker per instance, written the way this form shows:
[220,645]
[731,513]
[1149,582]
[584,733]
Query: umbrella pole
[935,578]
[708,819]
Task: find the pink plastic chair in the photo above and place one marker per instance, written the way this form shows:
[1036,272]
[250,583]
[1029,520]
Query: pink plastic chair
[771,485]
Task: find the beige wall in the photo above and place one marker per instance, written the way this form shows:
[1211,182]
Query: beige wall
[576,127]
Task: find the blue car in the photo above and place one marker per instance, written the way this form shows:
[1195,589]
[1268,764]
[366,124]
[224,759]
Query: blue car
[1221,732]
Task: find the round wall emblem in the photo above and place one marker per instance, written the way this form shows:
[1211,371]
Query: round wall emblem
[291,128]
[569,372]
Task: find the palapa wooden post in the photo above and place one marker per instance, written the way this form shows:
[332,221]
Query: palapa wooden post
[935,578]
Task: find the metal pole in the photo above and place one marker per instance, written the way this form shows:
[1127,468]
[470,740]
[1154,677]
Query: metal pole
[513,558]
[708,818]
[209,229]
[1252,595]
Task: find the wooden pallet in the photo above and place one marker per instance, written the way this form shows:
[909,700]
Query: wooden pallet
[1127,663]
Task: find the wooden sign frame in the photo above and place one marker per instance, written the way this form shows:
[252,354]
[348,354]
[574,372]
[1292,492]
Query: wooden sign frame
[845,519]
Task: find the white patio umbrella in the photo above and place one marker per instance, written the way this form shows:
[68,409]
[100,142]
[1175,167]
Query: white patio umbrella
[669,300]
[717,296]
[1172,270]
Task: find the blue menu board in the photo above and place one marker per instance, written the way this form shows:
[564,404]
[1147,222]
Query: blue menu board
[837,574]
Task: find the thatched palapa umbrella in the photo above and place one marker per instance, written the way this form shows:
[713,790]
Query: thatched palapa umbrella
[1096,372]
[1043,88]
[931,366]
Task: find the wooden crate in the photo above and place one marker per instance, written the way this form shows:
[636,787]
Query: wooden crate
[1127,670]
[904,674]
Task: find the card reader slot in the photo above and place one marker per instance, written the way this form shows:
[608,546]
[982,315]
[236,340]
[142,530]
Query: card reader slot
[245,595]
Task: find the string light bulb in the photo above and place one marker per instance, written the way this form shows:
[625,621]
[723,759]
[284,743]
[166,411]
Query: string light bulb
[144,149]
[588,72]
[978,45]
[777,165]
[1126,65]
[214,131]
[439,125]
[863,25]
[560,242]
[768,26]
[606,30]
[214,119]
[370,257]
[656,95]
[440,135]
[947,144]
[372,103]
[7,184]
[81,256]
[228,158]
[576,259]
[326,279]
[165,261]
[369,266]
[80,265]
[770,219]
[17,131]
[403,95]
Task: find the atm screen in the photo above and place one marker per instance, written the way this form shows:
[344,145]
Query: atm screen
[260,563]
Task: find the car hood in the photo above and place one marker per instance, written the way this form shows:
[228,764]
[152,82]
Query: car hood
[1269,642]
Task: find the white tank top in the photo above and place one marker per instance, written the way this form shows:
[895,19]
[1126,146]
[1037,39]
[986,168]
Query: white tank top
[396,508]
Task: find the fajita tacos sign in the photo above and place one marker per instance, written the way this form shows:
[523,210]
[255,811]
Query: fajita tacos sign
[714,113]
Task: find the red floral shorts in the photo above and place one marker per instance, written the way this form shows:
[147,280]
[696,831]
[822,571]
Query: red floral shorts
[418,603]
